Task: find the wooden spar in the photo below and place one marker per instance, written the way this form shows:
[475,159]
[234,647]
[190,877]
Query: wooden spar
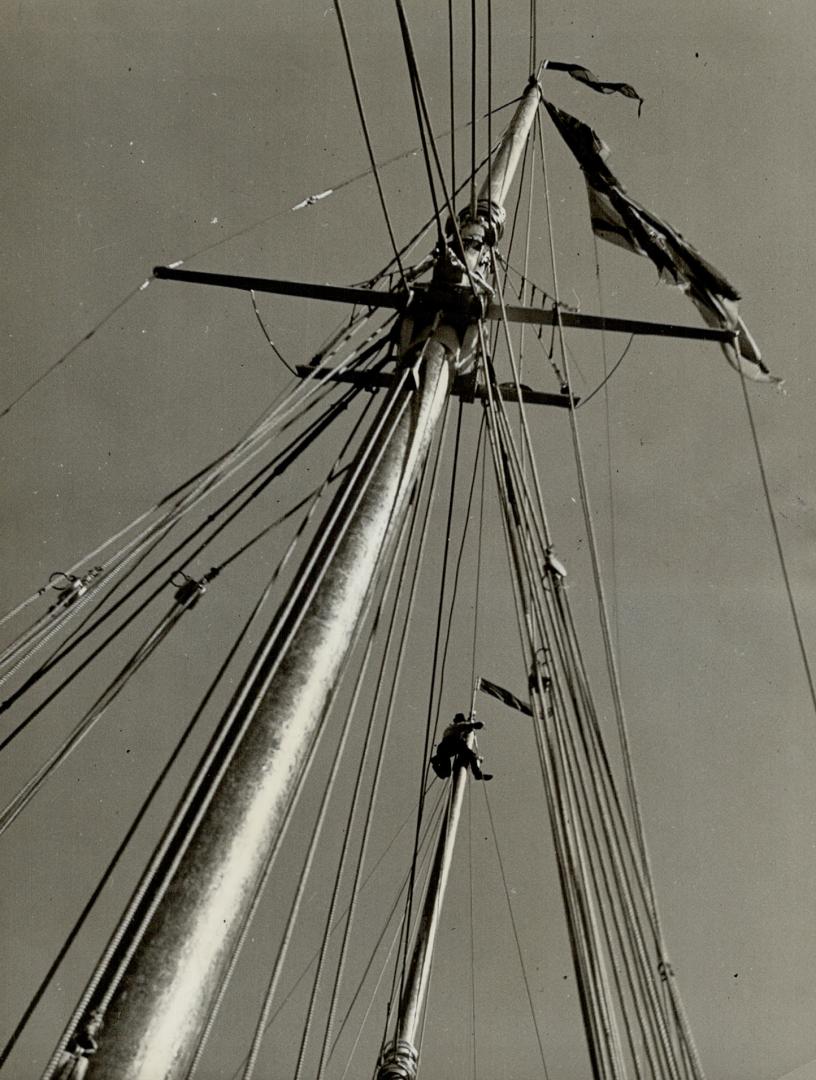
[539,317]
[339,294]
[402,1055]
[151,1002]
[512,313]
[157,1012]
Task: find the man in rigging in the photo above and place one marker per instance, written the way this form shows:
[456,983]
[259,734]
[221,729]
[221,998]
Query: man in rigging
[453,748]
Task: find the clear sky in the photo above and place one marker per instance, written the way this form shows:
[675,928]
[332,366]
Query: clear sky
[140,134]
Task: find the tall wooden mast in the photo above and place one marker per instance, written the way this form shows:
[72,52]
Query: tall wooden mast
[401,1057]
[147,1009]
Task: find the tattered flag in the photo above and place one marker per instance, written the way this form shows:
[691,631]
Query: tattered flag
[585,76]
[504,696]
[619,219]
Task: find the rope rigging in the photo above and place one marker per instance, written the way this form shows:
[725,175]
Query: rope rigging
[516,938]
[375,783]
[517,508]
[401,650]
[189,591]
[244,548]
[562,699]
[363,124]
[110,567]
[330,919]
[190,493]
[260,480]
[778,545]
[131,831]
[630,1004]
[176,838]
[186,597]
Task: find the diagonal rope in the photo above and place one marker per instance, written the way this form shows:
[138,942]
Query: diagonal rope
[196,488]
[608,376]
[106,318]
[435,814]
[266,334]
[778,543]
[489,88]
[516,938]
[11,811]
[138,818]
[608,432]
[421,122]
[452,94]
[273,469]
[473,109]
[364,125]
[197,798]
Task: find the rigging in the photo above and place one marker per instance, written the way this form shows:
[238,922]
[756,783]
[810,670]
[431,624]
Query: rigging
[606,883]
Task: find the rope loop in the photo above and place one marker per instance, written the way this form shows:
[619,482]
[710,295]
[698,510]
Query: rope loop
[70,587]
[188,591]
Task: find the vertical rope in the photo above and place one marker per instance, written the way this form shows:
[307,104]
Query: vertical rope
[533,35]
[473,111]
[490,91]
[608,428]
[478,580]
[452,92]
[472,933]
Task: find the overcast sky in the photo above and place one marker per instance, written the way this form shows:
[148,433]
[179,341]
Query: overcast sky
[141,134]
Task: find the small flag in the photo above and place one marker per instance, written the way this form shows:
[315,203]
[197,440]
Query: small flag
[585,76]
[619,219]
[504,696]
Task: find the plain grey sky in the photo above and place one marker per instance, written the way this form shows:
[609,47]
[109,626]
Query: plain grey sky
[140,134]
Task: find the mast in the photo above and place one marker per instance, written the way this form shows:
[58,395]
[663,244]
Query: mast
[400,1059]
[150,1001]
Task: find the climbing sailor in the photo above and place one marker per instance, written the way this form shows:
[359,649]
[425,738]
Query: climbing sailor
[453,749]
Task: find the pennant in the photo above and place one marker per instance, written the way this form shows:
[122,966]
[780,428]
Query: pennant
[504,696]
[585,76]
[619,219]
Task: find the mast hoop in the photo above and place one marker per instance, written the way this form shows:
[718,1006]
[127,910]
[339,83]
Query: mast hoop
[398,1061]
